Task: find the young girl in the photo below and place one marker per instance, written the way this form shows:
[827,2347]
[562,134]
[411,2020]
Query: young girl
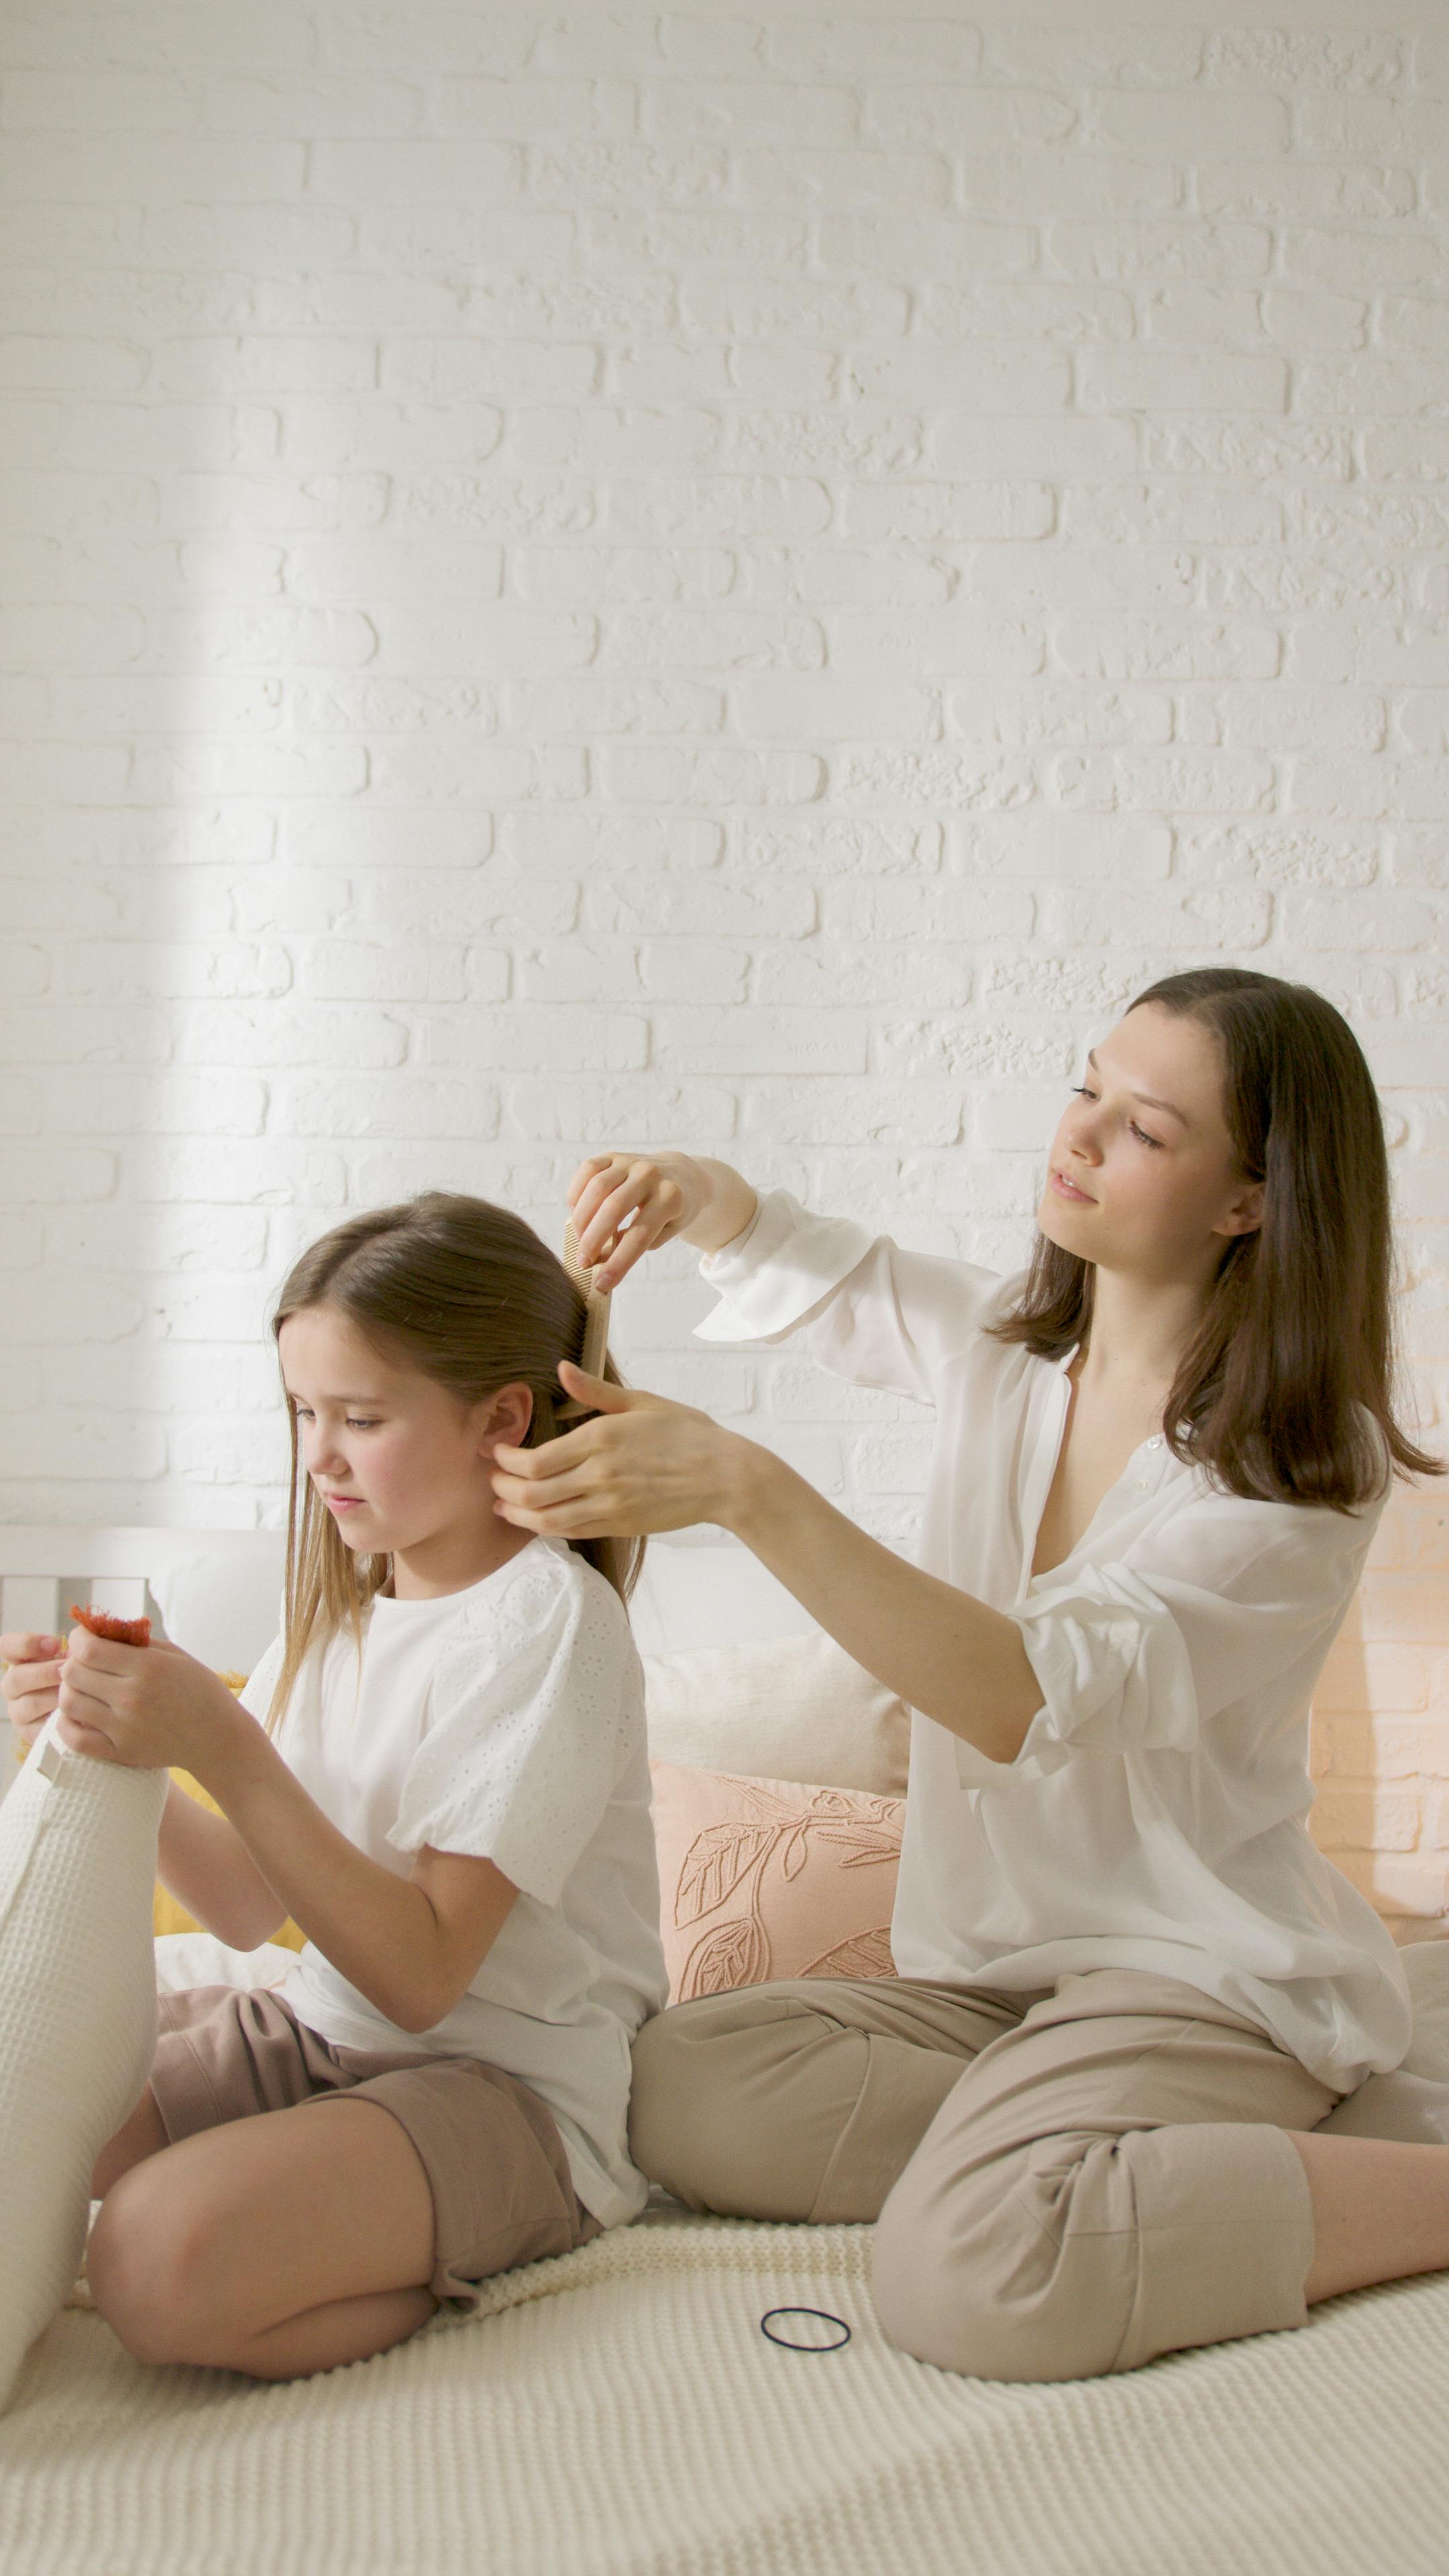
[455,1811]
[1087,2114]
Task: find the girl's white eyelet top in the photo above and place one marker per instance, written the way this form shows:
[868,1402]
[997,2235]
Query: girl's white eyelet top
[507,1721]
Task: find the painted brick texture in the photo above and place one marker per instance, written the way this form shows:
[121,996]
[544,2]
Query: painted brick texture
[703,576]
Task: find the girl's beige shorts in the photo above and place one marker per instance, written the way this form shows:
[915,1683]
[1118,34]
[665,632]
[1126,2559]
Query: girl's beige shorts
[491,2150]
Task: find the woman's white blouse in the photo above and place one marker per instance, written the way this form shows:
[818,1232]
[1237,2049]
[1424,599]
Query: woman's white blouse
[1154,1816]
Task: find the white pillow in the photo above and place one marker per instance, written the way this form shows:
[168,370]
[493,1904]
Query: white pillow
[1426,1965]
[199,1959]
[224,1604]
[781,1708]
[1411,2104]
[77,2010]
[698,1590]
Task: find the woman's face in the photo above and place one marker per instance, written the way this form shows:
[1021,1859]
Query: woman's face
[395,1458]
[1143,1177]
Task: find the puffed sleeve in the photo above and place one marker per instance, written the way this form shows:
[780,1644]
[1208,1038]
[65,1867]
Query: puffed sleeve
[527,1733]
[1142,1653]
[256,1697]
[859,1305]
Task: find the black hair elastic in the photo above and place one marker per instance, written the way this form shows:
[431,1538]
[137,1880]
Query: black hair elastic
[784,2341]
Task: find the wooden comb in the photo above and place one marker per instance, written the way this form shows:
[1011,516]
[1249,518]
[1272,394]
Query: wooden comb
[596,1325]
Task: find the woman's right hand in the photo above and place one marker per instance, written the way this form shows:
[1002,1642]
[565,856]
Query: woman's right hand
[31,1685]
[624,1204]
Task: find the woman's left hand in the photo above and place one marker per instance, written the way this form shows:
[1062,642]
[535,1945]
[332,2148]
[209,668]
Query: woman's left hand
[145,1707]
[643,1464]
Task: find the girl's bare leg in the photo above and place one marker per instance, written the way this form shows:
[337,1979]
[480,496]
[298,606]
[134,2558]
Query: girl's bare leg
[1380,2211]
[278,2245]
[140,2136]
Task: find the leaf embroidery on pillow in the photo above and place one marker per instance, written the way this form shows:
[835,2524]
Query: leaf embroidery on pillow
[715,1863]
[861,1843]
[865,1954]
[724,1857]
[737,1954]
[796,1851]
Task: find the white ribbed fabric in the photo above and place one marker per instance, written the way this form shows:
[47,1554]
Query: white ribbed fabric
[77,2009]
[619,2413]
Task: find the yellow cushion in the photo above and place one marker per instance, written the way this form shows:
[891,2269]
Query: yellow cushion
[168,1915]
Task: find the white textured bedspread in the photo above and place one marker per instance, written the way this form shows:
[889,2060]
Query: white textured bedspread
[619,2410]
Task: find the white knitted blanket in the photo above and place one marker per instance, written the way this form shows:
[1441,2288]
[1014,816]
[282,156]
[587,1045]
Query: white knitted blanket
[618,2412]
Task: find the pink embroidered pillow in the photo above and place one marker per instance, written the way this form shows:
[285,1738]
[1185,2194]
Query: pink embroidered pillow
[771,1878]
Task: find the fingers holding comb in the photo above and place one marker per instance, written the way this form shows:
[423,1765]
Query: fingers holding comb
[595,1343]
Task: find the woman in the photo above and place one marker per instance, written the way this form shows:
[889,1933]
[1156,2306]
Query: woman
[1087,2117]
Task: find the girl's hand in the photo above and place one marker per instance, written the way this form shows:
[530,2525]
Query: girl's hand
[31,1684]
[624,1204]
[644,1464]
[145,1707]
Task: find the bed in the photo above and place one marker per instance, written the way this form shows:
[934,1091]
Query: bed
[620,2409]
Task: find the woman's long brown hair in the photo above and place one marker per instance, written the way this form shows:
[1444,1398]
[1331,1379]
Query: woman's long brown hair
[1286,1391]
[471,1296]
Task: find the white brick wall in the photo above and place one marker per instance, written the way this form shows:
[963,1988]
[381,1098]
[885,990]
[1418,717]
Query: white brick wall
[697,575]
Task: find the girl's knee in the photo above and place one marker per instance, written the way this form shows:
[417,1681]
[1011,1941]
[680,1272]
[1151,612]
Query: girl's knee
[147,2266]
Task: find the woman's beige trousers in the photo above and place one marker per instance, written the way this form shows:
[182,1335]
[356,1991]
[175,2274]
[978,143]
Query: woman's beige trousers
[1065,2183]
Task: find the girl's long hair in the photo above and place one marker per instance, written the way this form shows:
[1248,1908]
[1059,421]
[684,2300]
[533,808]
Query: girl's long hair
[471,1296]
[1286,1391]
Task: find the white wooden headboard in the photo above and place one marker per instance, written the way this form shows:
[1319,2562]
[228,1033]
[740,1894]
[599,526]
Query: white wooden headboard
[700,1588]
[46,1565]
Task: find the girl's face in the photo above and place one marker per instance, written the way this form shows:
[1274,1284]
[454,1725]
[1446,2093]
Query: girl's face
[402,1465]
[1143,1177]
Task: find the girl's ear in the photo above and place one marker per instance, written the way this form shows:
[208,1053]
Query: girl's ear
[1245,1215]
[506,1416]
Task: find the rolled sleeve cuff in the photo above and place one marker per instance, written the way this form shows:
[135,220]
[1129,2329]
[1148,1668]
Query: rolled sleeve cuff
[1083,1665]
[1040,1751]
[1113,1668]
[783,1264]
